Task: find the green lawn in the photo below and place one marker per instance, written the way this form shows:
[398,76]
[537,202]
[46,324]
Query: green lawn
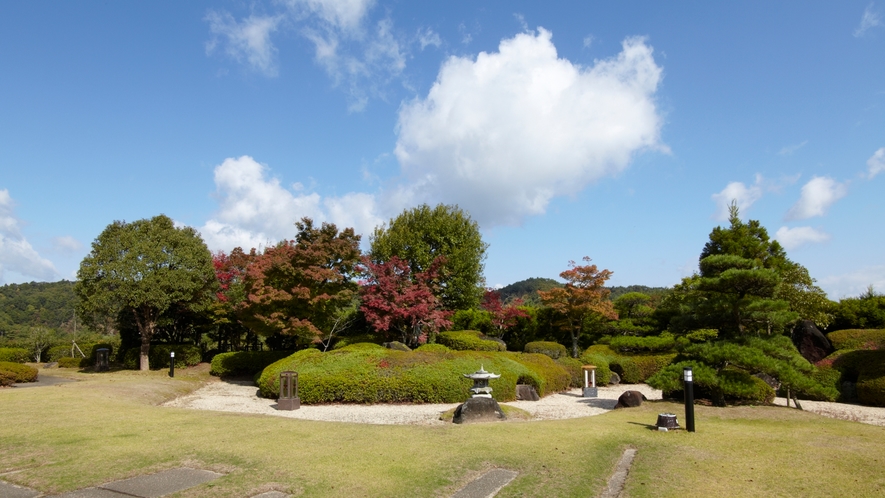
[108,427]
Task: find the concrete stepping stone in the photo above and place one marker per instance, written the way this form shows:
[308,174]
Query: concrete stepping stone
[8,490]
[149,486]
[273,494]
[487,485]
[617,480]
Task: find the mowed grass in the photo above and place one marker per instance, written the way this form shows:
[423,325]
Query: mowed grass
[108,426]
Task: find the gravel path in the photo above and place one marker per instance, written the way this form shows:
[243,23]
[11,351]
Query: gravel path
[242,397]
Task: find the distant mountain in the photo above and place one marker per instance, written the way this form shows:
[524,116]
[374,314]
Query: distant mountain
[527,290]
[46,304]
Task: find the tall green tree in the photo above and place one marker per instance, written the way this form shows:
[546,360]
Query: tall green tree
[299,287]
[422,234]
[145,268]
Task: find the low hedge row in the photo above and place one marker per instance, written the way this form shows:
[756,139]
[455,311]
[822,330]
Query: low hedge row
[185,355]
[867,367]
[380,375]
[632,368]
[244,362]
[629,343]
[552,349]
[858,339]
[15,355]
[79,362]
[12,372]
[56,353]
[603,371]
[468,340]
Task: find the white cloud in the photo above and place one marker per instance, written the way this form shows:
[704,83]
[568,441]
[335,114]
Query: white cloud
[869,20]
[427,37]
[792,238]
[505,132]
[588,41]
[855,283]
[876,163]
[16,254]
[790,149]
[342,15]
[817,196]
[738,192]
[66,244]
[247,40]
[255,210]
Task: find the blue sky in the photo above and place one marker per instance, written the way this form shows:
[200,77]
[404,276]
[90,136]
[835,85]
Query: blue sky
[617,131]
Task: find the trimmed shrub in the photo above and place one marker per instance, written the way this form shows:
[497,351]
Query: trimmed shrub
[432,348]
[649,365]
[244,362]
[55,353]
[655,344]
[380,375]
[603,372]
[573,367]
[726,386]
[867,368]
[356,339]
[362,345]
[554,350]
[79,362]
[468,340]
[185,355]
[14,355]
[600,349]
[11,372]
[858,339]
[627,369]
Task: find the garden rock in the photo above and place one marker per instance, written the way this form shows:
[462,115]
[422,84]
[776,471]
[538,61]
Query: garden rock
[812,344]
[396,346]
[615,379]
[478,409]
[526,392]
[630,399]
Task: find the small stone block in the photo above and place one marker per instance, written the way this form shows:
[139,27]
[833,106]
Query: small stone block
[289,404]
[591,392]
[8,490]
[526,392]
[663,429]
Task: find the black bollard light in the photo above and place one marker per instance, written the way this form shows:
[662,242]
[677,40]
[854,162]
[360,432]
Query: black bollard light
[172,364]
[689,399]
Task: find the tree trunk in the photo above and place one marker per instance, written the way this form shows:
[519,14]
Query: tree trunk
[576,351]
[146,328]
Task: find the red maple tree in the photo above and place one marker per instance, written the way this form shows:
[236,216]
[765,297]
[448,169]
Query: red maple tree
[398,302]
[502,317]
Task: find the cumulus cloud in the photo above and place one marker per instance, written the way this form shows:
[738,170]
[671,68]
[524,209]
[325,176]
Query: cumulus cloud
[869,20]
[817,196]
[247,40]
[503,133]
[855,283]
[16,254]
[792,238]
[255,210]
[876,163]
[738,192]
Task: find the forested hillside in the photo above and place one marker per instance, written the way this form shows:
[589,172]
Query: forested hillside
[45,304]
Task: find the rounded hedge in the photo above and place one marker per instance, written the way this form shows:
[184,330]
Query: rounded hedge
[420,376]
[14,355]
[603,372]
[355,339]
[552,349]
[468,340]
[858,339]
[433,348]
[79,362]
[867,367]
[628,343]
[185,355]
[11,373]
[244,362]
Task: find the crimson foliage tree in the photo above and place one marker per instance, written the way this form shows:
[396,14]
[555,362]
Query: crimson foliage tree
[298,287]
[401,303]
[502,317]
[230,271]
[583,296]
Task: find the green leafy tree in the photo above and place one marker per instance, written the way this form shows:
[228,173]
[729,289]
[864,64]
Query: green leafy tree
[635,315]
[299,287]
[144,268]
[866,311]
[584,295]
[422,234]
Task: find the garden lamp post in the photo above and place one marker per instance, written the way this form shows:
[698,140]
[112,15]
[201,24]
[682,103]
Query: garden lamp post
[172,364]
[689,399]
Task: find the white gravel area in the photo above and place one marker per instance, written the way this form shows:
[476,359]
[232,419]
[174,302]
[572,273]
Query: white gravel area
[242,397]
[844,411]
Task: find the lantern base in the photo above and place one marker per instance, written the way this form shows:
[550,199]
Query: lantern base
[288,403]
[591,392]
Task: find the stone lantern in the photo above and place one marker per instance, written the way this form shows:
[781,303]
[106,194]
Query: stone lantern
[289,399]
[480,407]
[590,390]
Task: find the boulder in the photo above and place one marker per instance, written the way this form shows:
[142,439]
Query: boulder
[812,344]
[396,346]
[630,399]
[615,379]
[526,392]
[478,409]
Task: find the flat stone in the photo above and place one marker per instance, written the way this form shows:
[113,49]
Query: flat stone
[273,494]
[8,490]
[161,483]
[92,493]
[487,485]
[479,409]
